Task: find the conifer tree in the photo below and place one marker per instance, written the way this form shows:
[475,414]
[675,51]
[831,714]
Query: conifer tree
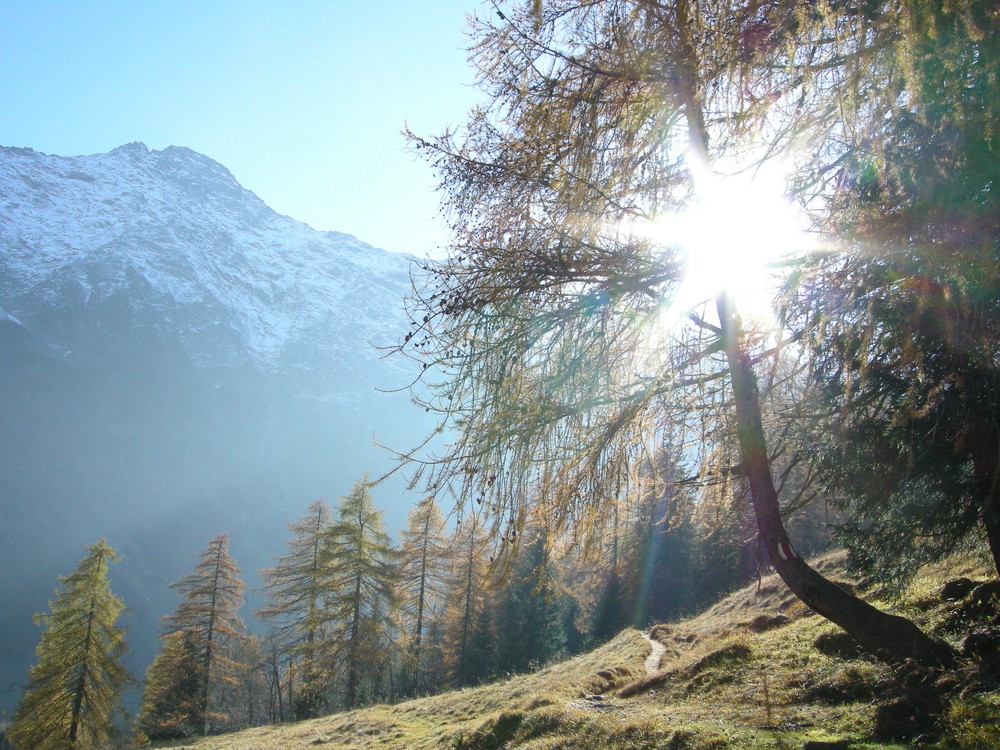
[467,594]
[247,702]
[295,588]
[207,616]
[276,676]
[480,659]
[362,569]
[423,570]
[611,612]
[172,690]
[74,690]
[530,616]
[905,347]
[596,575]
[603,118]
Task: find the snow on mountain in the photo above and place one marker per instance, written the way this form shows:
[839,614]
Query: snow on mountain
[239,281]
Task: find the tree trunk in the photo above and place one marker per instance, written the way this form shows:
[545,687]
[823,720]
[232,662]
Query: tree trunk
[991,522]
[209,636]
[985,453]
[81,685]
[352,658]
[291,687]
[886,636]
[420,612]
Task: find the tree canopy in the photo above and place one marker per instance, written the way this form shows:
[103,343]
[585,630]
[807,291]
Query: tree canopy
[904,323]
[552,336]
[73,697]
[296,588]
[359,589]
[207,619]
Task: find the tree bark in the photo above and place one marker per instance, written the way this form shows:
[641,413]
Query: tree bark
[985,453]
[420,607]
[885,636]
[210,635]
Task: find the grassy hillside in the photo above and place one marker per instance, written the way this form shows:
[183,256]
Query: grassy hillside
[757,670]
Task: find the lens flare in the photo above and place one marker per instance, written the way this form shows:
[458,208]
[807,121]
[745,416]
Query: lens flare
[732,232]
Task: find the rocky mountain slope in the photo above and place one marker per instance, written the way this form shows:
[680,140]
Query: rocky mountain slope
[176,360]
[236,282]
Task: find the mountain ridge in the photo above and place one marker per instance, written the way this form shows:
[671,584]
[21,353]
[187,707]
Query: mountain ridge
[270,280]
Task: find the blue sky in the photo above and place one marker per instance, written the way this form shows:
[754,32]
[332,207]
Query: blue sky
[303,101]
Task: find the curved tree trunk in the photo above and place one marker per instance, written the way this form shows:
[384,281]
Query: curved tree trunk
[886,636]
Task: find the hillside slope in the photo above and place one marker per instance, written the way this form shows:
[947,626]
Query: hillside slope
[755,671]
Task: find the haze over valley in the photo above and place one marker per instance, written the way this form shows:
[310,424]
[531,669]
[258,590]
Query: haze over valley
[177,360]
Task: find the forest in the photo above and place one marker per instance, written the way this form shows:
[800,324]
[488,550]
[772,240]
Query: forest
[722,292]
[355,619]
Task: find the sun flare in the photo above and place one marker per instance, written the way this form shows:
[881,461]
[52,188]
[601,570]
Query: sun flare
[732,231]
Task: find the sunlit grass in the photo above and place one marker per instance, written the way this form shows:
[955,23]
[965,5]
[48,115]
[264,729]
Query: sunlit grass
[722,683]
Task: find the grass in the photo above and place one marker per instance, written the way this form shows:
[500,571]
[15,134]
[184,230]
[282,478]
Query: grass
[736,676]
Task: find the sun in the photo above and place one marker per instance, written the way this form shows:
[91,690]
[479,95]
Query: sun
[732,232]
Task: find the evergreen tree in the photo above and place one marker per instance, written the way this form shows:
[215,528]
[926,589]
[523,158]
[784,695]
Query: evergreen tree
[480,661]
[247,703]
[725,544]
[466,627]
[612,612]
[276,676]
[905,340]
[74,690]
[207,616]
[172,692]
[423,570]
[433,673]
[295,589]
[596,575]
[359,589]
[665,566]
[530,618]
[679,554]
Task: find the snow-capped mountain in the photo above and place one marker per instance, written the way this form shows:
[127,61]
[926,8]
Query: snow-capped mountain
[177,360]
[237,281]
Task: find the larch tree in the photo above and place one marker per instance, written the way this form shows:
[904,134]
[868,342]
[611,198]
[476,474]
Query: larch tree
[277,676]
[362,566]
[249,698]
[295,589]
[208,618]
[646,572]
[552,334]
[422,574]
[73,696]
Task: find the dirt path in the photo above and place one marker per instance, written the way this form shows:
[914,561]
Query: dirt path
[609,703]
[653,660]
